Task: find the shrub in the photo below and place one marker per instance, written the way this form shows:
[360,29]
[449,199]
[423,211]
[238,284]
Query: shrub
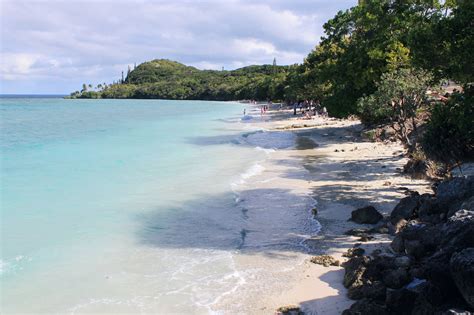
[399,95]
[449,135]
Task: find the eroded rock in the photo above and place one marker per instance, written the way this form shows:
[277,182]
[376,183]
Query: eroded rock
[462,270]
[325,260]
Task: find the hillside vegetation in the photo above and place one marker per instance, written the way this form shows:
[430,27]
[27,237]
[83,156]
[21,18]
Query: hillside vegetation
[379,60]
[167,79]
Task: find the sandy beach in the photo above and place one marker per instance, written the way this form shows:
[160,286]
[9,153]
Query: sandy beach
[341,171]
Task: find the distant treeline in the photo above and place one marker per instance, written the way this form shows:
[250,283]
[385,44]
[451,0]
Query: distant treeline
[165,79]
[360,45]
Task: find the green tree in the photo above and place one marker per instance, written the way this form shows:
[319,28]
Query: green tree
[449,135]
[399,95]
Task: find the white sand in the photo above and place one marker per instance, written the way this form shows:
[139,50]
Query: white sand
[359,174]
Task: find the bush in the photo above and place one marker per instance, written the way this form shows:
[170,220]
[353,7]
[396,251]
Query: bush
[400,94]
[449,135]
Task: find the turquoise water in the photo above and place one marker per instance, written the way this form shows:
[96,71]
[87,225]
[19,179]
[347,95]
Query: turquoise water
[141,206]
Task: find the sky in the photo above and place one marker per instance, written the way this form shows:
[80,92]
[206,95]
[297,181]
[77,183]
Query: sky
[53,46]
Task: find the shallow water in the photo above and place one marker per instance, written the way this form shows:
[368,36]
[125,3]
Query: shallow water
[145,206]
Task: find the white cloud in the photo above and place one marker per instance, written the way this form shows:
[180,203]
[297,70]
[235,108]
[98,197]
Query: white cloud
[62,43]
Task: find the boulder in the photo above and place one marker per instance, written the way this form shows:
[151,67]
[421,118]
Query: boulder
[354,252]
[354,270]
[468,204]
[462,270]
[456,311]
[366,307]
[400,301]
[397,244]
[405,209]
[402,261]
[414,248]
[458,232]
[374,290]
[455,189]
[428,298]
[366,215]
[396,278]
[428,206]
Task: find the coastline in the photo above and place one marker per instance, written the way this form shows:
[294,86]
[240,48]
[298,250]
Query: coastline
[341,172]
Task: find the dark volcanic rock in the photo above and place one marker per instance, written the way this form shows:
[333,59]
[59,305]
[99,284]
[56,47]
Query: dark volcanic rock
[462,270]
[366,215]
[455,189]
[354,252]
[402,261]
[374,290]
[433,270]
[396,278]
[414,248]
[366,307]
[468,204]
[405,209]
[397,244]
[456,311]
[458,232]
[354,270]
[400,301]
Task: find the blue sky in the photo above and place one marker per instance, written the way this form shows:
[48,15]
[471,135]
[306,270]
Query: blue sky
[53,46]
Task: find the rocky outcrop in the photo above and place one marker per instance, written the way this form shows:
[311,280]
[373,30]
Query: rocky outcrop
[431,270]
[462,270]
[405,209]
[366,215]
[325,260]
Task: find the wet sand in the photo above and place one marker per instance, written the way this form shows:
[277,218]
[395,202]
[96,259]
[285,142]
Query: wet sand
[332,164]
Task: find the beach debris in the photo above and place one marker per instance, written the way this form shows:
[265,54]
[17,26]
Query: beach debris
[325,260]
[366,214]
[289,310]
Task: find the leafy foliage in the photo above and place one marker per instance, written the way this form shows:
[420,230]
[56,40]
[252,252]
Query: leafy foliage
[167,79]
[399,95]
[449,136]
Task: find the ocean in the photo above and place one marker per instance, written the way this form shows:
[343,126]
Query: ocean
[140,206]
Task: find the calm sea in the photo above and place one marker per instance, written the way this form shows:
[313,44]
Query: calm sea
[127,206]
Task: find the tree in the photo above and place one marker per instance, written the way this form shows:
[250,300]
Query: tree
[449,135]
[399,95]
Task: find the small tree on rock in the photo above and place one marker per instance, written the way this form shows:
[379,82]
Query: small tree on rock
[399,95]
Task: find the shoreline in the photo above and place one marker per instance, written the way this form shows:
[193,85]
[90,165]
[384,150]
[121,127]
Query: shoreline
[341,172]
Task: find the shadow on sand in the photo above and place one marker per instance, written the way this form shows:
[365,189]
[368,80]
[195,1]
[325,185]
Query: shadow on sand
[219,222]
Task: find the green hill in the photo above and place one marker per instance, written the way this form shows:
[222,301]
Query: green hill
[166,79]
